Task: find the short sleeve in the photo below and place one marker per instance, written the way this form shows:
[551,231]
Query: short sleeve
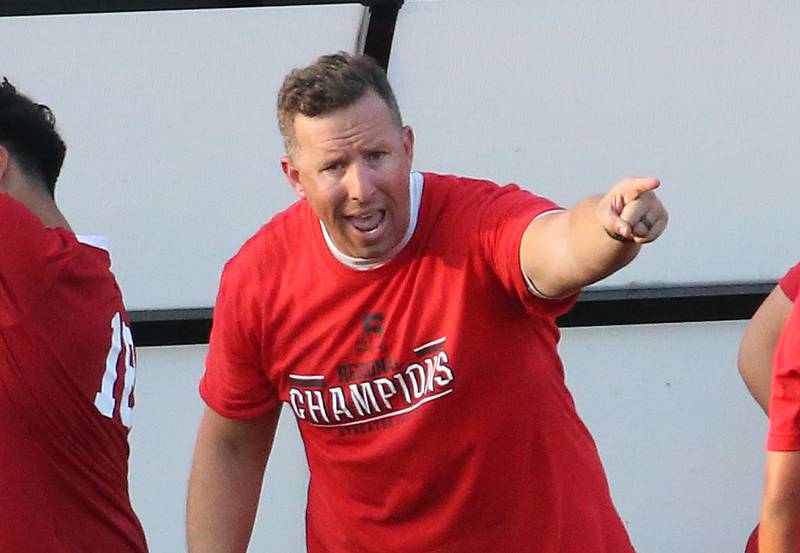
[790,283]
[504,218]
[235,382]
[784,409]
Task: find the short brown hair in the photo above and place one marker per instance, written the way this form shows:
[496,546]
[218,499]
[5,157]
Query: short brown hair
[332,82]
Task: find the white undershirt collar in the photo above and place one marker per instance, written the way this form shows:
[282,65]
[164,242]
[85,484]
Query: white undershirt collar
[415,186]
[96,241]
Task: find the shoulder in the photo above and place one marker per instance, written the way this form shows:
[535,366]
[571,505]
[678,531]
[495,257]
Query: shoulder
[452,195]
[476,195]
[448,184]
[790,282]
[19,224]
[466,188]
[31,253]
[272,246]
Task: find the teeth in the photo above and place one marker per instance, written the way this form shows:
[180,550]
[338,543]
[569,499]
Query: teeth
[367,222]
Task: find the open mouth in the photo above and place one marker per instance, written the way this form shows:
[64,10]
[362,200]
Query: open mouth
[367,222]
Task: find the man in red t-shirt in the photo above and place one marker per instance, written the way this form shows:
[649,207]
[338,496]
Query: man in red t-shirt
[66,360]
[408,320]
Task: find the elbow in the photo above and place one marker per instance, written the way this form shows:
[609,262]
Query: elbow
[745,370]
[751,366]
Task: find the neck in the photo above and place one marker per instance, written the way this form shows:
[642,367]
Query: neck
[30,192]
[42,205]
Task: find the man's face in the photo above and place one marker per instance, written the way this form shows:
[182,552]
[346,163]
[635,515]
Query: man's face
[352,166]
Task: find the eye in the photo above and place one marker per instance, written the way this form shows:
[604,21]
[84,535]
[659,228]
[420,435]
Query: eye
[333,167]
[375,155]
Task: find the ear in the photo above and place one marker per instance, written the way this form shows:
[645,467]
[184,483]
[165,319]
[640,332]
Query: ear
[292,175]
[5,162]
[408,142]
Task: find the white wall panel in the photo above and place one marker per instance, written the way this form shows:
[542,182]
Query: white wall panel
[567,97]
[169,118]
[681,440]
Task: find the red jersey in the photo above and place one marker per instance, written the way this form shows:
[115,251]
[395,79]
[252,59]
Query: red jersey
[428,391]
[66,382]
[784,407]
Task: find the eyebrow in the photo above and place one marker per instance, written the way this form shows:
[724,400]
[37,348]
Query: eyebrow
[331,160]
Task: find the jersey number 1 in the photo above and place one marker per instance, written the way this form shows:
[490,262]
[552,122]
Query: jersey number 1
[121,344]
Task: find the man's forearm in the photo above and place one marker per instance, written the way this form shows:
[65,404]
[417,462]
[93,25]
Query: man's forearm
[225,484]
[598,251]
[221,505]
[779,530]
[563,252]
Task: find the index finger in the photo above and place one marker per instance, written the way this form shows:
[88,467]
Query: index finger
[633,187]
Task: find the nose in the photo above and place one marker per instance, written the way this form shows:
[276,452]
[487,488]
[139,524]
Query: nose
[360,187]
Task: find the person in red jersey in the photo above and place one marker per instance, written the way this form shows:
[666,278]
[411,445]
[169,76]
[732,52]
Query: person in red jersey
[757,348]
[408,320]
[66,360]
[779,526]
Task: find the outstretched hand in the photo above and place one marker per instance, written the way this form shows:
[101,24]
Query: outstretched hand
[631,211]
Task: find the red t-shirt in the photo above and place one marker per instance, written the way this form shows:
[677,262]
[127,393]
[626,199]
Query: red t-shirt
[65,355]
[428,391]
